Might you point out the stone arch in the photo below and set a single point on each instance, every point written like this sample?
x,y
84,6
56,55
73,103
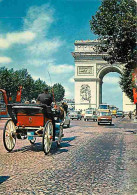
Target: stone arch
x,y
102,72
106,69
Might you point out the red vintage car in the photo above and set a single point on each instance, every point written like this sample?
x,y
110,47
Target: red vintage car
x,y
31,121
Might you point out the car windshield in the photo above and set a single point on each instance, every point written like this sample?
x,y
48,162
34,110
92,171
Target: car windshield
x,y
113,108
103,107
88,112
73,113
104,114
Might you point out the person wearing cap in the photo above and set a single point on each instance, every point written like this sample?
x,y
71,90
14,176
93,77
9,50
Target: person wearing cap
x,y
45,97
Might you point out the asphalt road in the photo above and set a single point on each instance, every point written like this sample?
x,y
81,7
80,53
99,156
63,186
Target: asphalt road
x,y
92,159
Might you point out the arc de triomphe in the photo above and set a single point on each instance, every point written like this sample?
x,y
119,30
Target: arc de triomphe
x,y
90,69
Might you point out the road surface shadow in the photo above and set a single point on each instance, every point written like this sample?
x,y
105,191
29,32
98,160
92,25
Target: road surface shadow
x,y
37,147
131,131
3,179
110,125
64,144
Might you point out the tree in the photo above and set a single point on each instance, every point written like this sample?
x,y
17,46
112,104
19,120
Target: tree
x,y
115,25
11,80
6,80
24,79
38,87
58,91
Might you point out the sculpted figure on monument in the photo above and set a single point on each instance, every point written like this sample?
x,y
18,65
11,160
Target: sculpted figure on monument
x,y
85,93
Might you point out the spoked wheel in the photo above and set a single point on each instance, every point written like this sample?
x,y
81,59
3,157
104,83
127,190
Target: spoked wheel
x,y
47,137
9,135
60,135
33,140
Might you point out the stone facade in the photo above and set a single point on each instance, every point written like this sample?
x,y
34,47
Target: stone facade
x,y
90,68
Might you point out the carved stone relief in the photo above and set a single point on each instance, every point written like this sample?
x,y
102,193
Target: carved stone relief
x,y
85,70
85,93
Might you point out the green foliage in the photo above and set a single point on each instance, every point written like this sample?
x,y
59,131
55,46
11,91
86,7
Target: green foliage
x,y
11,80
38,87
58,91
115,25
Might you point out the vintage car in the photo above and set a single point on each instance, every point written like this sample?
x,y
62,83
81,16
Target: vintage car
x,y
90,115
75,115
119,114
104,117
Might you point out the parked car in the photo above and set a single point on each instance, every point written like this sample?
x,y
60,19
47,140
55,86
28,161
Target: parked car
x,y
90,115
75,115
104,117
119,114
67,121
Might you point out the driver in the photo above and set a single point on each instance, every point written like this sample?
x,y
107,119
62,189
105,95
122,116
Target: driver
x,y
46,98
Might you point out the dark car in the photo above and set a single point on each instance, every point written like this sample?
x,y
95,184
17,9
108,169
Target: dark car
x,y
75,115
119,114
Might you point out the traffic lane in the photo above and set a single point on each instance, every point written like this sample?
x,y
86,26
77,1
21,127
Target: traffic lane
x,y
86,152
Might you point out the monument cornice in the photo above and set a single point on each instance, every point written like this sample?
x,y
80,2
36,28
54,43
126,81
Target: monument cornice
x,y
86,42
87,53
86,79
87,56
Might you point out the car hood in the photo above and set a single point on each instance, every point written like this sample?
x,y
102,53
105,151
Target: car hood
x,y
104,117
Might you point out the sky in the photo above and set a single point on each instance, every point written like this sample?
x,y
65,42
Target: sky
x,y
39,35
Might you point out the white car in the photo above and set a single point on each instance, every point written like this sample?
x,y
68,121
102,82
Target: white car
x,y
90,115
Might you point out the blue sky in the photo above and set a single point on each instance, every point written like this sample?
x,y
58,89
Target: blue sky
x,y
39,35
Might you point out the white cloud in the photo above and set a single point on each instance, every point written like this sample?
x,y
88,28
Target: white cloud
x,y
64,68
71,80
111,80
21,37
4,44
39,19
44,47
5,60
16,38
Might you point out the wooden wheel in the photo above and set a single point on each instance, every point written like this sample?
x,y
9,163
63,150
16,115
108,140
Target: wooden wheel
x,y
47,137
9,135
60,135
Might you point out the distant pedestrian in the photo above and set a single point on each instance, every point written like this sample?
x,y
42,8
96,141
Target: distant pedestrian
x,y
130,114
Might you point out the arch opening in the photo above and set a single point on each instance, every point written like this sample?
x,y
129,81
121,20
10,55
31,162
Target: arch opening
x,y
111,92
